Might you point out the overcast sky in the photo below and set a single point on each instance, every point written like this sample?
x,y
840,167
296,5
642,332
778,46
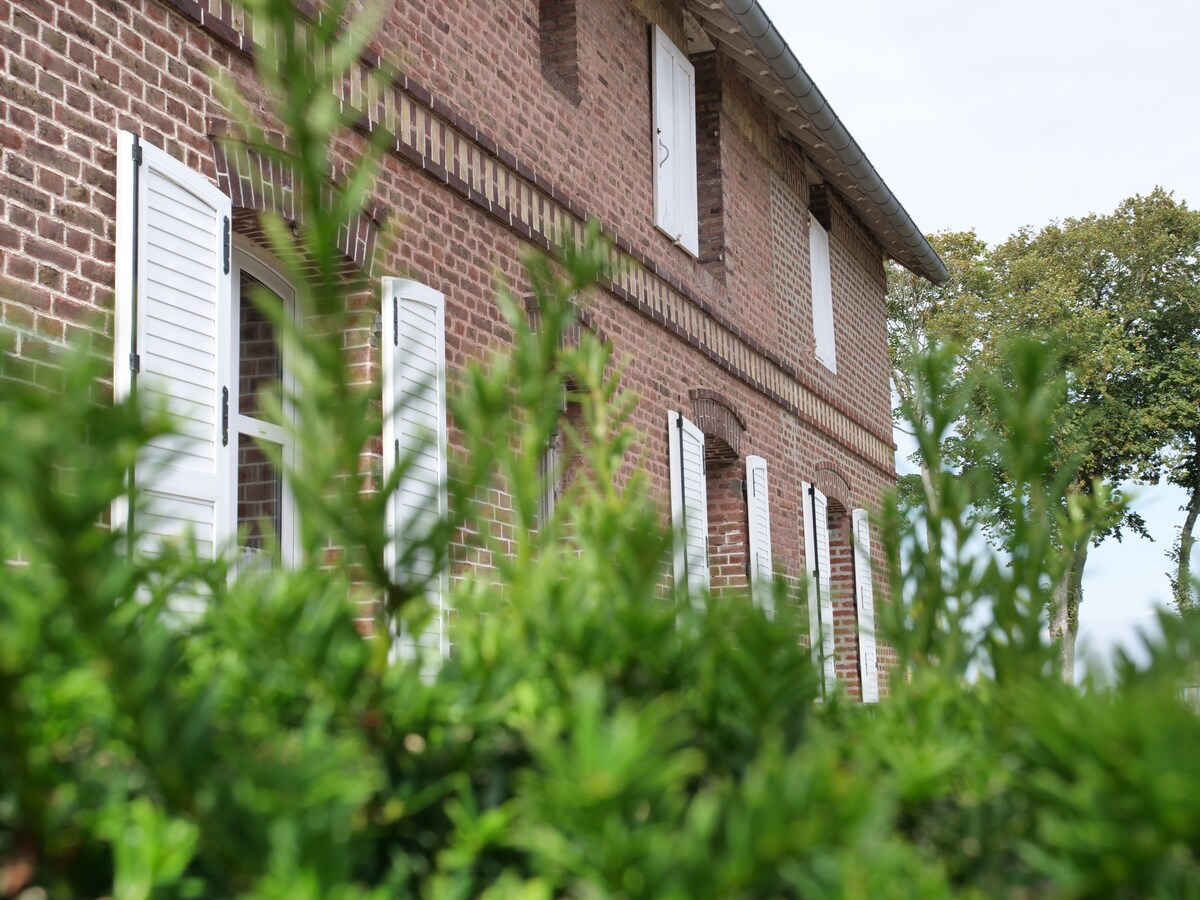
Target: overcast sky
x,y
997,115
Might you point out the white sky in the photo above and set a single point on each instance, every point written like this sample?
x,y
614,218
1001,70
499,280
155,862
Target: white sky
x,y
998,115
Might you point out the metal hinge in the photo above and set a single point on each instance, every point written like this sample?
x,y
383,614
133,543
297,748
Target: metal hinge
x,y
228,242
135,363
137,152
224,417
396,321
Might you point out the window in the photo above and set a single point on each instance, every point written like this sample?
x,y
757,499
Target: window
x,y
558,38
190,337
822,293
414,454
689,503
675,196
560,463
265,513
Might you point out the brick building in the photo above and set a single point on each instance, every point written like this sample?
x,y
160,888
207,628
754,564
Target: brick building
x,y
752,228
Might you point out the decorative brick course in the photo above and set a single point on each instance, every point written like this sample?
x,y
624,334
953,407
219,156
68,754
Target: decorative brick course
x,y
487,156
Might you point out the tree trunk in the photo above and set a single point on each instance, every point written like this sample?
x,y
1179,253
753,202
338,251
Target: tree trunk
x,y
933,535
1184,600
1181,584
1064,609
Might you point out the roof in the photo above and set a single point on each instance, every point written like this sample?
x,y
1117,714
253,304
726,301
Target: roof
x,y
743,31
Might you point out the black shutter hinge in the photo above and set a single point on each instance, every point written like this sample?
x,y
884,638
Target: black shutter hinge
x,y
135,363
396,321
228,241
137,152
224,417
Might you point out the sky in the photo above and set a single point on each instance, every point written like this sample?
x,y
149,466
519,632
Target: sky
x,y
995,116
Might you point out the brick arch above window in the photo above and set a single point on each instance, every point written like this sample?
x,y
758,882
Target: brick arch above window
x,y
829,481
256,185
722,424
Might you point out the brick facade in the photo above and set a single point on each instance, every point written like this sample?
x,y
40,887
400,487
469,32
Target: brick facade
x,y
515,120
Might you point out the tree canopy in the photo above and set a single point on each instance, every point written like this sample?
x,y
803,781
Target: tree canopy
x,y
1115,299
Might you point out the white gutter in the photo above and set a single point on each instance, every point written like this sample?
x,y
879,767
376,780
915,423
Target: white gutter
x,y
775,51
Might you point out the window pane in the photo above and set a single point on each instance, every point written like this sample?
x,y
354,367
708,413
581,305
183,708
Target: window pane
x,y
259,499
260,364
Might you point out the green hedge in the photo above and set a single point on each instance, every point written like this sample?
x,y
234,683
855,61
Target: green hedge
x,y
588,737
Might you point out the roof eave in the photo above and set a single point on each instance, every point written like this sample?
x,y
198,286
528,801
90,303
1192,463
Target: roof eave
x,y
744,31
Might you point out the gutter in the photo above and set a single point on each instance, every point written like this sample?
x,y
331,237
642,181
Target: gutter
x,y
774,49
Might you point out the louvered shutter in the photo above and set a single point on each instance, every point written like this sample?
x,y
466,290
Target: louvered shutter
x,y
822,293
865,606
675,190
820,606
172,343
414,436
758,505
689,503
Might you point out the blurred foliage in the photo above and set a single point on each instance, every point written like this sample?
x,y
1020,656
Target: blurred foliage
x,y
1115,301
587,737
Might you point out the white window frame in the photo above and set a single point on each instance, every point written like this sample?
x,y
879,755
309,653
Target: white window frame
x,y
134,344
676,196
257,263
824,342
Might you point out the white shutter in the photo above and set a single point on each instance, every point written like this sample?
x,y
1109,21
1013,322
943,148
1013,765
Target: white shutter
x,y
865,605
172,317
822,293
675,191
820,604
414,429
689,503
759,517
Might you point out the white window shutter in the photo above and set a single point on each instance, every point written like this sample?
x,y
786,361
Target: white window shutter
x,y
865,603
820,603
758,504
414,430
822,293
689,504
675,190
172,312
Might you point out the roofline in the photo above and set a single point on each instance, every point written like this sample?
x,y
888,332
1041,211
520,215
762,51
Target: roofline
x,y
775,51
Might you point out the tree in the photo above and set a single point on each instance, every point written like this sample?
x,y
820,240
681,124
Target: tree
x,y
921,316
1116,298
1160,246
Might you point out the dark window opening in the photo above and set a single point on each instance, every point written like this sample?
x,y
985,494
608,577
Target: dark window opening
x,y
558,34
710,193
818,205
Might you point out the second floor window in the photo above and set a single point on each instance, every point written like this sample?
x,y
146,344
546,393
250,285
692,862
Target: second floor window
x,y
675,200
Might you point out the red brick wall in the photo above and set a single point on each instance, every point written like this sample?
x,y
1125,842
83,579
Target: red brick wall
x,y
727,551
73,72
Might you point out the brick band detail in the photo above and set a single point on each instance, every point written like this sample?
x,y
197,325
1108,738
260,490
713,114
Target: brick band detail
x,y
433,137
256,184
